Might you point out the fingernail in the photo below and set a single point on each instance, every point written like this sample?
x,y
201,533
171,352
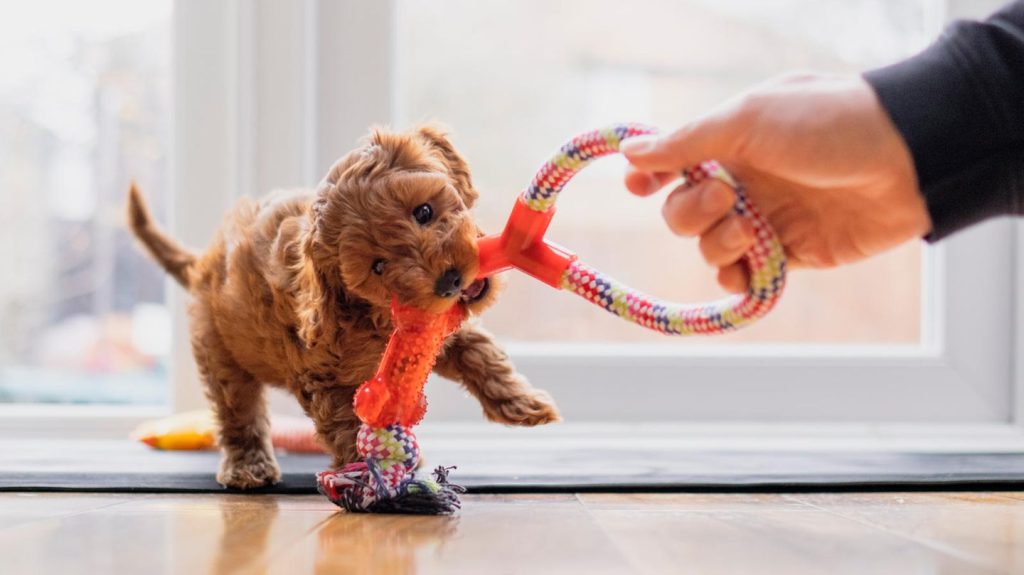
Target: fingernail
x,y
638,145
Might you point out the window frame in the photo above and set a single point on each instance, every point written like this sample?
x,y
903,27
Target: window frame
x,y
238,130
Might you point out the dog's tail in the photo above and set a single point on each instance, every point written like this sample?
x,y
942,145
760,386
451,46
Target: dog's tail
x,y
174,258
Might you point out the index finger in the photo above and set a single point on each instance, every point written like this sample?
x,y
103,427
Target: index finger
x,y
643,183
708,138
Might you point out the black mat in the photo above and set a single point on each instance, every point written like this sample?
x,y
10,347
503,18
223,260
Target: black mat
x,y
121,466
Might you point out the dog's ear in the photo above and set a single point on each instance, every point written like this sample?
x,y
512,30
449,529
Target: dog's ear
x,y
312,291
458,169
310,310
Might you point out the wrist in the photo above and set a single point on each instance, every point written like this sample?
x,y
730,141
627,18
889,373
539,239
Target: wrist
x,y
897,161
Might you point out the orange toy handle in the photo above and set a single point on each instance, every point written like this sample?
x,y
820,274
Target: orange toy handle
x,y
521,245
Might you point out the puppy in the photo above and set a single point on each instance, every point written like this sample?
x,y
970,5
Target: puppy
x,y
295,291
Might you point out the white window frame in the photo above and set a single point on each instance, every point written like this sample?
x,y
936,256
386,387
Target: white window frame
x,y
254,97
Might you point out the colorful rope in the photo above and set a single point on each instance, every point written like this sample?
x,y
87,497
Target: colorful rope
x,y
766,261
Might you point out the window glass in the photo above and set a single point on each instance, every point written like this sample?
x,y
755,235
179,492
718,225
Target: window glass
x,y
84,108
515,79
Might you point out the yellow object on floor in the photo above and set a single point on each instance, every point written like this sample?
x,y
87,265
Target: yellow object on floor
x,y
197,430
189,431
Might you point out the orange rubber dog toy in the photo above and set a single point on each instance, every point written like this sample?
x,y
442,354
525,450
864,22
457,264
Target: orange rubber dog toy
x,y
395,393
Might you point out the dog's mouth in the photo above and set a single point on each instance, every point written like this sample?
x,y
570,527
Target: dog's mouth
x,y
475,291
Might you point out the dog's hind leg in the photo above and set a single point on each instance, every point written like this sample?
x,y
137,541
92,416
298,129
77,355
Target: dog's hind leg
x,y
329,405
472,358
247,455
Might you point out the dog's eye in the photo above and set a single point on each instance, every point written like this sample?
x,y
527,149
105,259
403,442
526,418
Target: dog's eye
x,y
423,214
378,266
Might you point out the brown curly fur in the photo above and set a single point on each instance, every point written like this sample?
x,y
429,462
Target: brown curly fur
x,y
285,295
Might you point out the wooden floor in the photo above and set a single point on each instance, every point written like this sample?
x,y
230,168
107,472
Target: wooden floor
x,y
888,533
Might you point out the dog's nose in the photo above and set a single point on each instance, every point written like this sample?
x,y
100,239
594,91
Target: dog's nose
x,y
448,284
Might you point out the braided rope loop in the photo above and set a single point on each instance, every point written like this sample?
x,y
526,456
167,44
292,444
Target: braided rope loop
x,y
765,261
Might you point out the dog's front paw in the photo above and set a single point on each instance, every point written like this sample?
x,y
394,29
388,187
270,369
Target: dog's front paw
x,y
249,471
532,408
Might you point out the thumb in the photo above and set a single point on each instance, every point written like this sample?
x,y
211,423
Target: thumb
x,y
704,139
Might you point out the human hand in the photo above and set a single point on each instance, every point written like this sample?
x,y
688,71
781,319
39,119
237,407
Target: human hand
x,y
817,155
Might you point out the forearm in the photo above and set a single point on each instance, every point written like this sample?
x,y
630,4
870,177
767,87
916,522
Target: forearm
x,y
960,107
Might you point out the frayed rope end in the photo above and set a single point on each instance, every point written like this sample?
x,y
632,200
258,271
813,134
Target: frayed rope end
x,y
435,496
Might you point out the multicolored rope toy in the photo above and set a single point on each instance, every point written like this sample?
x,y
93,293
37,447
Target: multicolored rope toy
x,y
522,245
392,401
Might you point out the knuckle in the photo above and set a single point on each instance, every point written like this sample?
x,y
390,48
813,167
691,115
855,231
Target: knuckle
x,y
812,251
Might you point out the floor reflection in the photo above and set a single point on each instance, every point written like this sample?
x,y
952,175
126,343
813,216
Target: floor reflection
x,y
245,535
380,544
259,536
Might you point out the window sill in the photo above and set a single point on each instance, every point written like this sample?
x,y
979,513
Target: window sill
x,y
90,422
46,421
733,436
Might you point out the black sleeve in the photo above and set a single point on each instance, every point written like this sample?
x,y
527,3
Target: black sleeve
x,y
960,107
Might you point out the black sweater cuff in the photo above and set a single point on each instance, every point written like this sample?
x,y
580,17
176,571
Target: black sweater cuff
x,y
960,105
989,187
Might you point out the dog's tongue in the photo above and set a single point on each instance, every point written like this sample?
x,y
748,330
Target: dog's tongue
x,y
474,289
